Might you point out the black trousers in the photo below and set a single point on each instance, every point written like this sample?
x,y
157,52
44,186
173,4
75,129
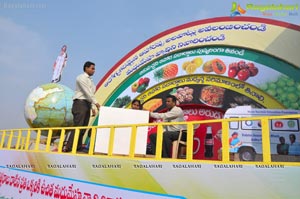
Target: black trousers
x,y
81,110
168,138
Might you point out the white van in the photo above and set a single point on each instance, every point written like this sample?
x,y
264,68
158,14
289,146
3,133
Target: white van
x,y
248,132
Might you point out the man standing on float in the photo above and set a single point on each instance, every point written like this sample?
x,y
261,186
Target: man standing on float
x,y
83,100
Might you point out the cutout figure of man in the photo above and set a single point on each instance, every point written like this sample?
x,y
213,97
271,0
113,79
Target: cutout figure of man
x,y
59,64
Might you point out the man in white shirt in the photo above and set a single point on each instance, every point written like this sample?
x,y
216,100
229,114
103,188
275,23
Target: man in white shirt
x,y
83,101
294,148
171,133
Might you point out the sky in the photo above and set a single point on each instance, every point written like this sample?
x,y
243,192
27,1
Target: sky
x,y
33,31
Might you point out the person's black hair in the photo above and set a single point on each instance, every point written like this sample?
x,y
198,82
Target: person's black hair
x,y
172,97
281,138
136,100
293,136
87,65
234,133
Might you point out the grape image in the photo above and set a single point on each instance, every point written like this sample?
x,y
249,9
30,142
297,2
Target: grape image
x,y
286,90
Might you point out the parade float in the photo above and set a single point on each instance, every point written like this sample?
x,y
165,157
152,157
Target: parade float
x,y
211,66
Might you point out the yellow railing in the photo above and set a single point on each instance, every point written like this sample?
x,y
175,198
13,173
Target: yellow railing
x,y
33,139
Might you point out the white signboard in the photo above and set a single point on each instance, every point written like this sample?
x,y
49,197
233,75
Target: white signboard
x,y
121,143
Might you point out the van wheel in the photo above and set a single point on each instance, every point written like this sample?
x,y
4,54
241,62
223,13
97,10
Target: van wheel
x,y
247,154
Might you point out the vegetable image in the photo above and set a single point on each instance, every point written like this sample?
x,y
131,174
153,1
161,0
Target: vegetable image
x,y
141,85
121,101
134,87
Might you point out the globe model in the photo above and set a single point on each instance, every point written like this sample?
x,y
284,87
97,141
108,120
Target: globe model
x,y
49,105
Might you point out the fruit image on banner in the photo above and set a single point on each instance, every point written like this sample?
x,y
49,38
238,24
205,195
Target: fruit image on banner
x,y
191,66
215,65
167,72
240,69
285,90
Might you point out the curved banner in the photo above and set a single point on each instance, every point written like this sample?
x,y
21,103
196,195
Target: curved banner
x,y
215,66
231,40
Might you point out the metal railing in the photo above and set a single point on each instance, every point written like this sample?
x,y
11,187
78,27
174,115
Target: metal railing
x,y
41,139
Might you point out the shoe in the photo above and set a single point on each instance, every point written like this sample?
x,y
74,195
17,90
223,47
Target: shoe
x,y
66,149
79,149
85,150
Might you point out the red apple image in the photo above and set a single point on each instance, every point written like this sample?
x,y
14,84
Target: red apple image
x,y
234,65
243,74
250,65
253,71
242,64
232,72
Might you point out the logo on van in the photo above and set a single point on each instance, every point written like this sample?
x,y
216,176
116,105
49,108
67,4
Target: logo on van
x,y
291,124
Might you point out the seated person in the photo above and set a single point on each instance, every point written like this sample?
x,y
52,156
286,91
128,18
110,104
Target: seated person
x,y
136,104
171,132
